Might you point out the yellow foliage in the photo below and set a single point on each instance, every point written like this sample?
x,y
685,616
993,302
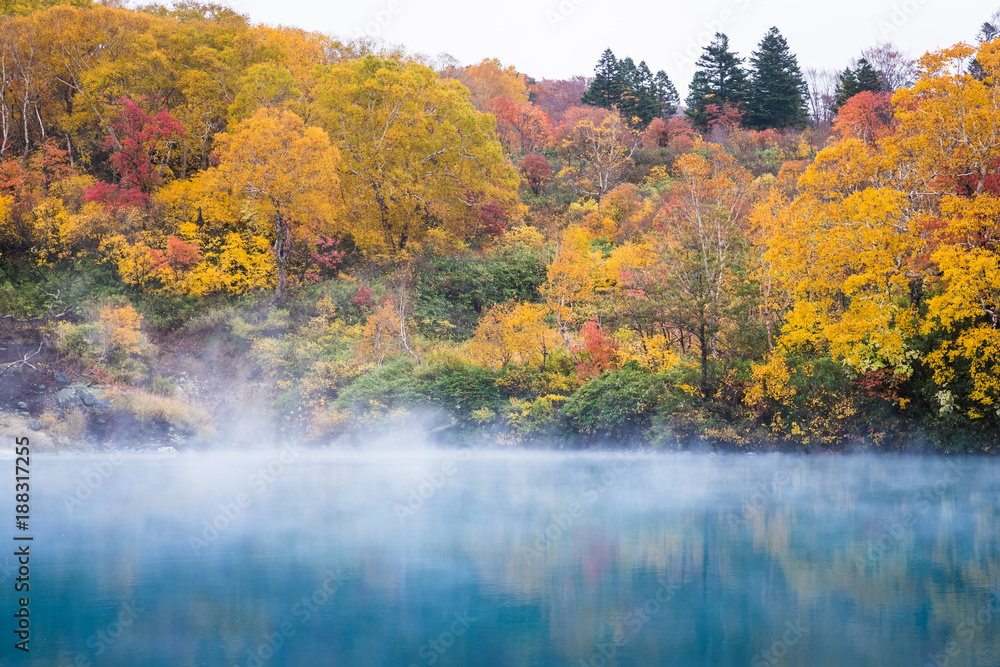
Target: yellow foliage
x,y
513,333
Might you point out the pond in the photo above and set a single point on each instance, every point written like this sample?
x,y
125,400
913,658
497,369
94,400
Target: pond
x,y
480,557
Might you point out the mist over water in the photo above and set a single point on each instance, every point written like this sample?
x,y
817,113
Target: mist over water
x,y
476,557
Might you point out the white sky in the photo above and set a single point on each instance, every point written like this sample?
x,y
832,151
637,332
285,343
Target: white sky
x,y
561,38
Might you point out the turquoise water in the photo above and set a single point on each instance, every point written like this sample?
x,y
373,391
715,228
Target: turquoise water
x,y
491,558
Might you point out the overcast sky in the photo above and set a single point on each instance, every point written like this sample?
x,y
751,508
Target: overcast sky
x,y
561,38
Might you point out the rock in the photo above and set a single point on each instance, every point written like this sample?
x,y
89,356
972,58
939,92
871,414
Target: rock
x,y
35,425
22,406
103,403
101,421
87,398
60,377
65,396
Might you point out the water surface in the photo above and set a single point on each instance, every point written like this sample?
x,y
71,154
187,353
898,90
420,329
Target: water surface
x,y
491,558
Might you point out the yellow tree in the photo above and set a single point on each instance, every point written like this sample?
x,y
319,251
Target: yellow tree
x,y
575,276
490,79
415,155
513,332
286,171
700,246
598,146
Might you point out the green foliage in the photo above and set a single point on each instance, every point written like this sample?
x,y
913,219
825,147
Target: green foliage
x,y
632,90
461,391
719,80
620,404
777,96
457,290
863,77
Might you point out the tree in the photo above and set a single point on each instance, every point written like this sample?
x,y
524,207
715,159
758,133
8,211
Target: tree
x,y
557,96
415,154
700,247
535,169
513,333
284,169
488,80
598,147
867,116
777,90
140,144
607,88
575,274
862,77
632,90
894,69
520,129
719,80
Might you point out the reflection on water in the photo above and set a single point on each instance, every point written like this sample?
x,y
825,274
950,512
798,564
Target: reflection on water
x,y
487,558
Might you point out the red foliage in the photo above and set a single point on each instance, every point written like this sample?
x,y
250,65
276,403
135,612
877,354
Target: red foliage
x,y
364,298
179,256
535,169
135,138
868,116
521,128
327,255
726,117
556,96
115,196
597,354
676,133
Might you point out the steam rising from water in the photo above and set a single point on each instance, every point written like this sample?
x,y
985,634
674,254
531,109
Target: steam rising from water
x,y
372,557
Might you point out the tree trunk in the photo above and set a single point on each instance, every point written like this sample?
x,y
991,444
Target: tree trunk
x,y
703,340
282,247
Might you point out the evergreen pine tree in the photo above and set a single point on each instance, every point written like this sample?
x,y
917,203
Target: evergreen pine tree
x,y
720,79
863,77
632,90
666,94
777,94
606,89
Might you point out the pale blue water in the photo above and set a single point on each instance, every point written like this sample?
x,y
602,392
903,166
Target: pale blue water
x,y
649,560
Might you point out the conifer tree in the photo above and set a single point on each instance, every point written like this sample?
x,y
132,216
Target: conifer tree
x,y
862,78
720,79
632,90
777,94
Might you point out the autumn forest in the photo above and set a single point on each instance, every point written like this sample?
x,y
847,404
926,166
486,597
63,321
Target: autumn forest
x,y
204,221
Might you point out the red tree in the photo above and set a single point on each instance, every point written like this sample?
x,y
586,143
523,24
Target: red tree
x,y
535,169
136,140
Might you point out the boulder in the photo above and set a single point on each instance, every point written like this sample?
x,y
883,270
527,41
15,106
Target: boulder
x,y
65,396
103,403
21,405
60,377
87,398
35,425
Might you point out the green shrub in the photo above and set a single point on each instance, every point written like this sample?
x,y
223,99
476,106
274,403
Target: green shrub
x,y
620,404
